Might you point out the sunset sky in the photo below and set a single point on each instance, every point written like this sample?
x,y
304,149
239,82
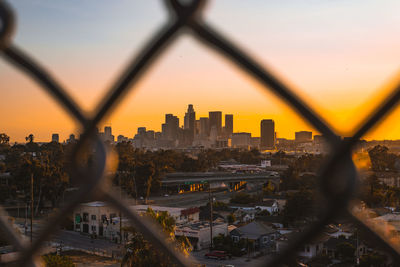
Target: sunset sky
x,y
340,56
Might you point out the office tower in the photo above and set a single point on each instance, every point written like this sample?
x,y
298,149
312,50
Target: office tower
x,y
303,136
318,139
107,131
197,127
204,126
241,140
171,126
267,134
108,134
228,125
216,120
189,121
150,135
55,138
141,130
71,138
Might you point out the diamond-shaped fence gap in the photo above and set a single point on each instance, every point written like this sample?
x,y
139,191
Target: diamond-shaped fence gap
x,y
209,84
44,117
62,44
329,61
378,166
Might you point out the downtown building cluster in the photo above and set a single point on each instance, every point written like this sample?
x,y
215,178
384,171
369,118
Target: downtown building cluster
x,y
209,132
203,132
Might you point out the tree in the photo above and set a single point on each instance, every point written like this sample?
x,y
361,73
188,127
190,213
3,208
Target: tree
x,y
381,159
299,205
4,139
345,250
372,260
231,218
141,253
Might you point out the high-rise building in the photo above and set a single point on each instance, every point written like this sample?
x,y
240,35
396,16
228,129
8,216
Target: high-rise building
x,y
189,121
55,138
228,124
303,136
141,130
171,126
71,138
107,131
267,134
108,134
204,126
241,140
216,120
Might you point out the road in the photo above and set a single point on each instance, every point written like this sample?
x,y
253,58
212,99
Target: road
x,y
71,239
187,200
235,261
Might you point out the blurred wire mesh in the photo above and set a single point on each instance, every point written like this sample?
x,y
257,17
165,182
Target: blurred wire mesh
x,y
337,177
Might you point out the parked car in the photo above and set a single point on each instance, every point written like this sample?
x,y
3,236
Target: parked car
x,y
218,254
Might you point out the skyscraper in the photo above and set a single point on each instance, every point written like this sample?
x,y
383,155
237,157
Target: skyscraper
x,y
267,134
216,120
204,126
303,136
228,124
108,134
189,121
171,126
55,138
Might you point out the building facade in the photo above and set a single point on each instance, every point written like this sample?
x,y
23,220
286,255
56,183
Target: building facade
x,y
267,134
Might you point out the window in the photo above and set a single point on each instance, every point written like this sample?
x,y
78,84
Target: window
x,y
93,217
85,217
104,218
235,238
112,215
317,247
272,237
265,239
77,226
93,228
308,248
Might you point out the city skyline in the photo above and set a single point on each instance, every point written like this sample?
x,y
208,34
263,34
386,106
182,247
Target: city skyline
x,y
339,67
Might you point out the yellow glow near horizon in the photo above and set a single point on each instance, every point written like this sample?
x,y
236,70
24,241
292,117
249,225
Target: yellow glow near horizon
x,y
341,70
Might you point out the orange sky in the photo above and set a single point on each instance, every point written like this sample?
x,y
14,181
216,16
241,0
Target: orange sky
x,y
338,58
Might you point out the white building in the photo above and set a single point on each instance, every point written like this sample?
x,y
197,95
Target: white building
x,y
198,233
103,220
97,218
181,215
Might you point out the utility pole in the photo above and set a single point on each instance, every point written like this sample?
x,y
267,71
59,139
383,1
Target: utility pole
x,y
211,215
120,218
31,206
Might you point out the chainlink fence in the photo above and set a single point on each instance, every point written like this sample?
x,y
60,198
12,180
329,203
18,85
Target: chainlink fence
x,y
337,176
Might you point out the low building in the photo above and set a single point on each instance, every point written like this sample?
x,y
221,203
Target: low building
x,y
263,236
103,220
97,218
181,215
309,249
241,140
271,205
198,233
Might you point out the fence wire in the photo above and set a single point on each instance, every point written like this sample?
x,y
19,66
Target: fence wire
x,y
338,169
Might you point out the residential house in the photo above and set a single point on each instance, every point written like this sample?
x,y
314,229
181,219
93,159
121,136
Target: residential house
x,y
331,245
262,235
309,250
198,233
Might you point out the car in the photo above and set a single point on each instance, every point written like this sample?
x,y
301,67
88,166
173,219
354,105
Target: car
x,y
166,195
218,254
